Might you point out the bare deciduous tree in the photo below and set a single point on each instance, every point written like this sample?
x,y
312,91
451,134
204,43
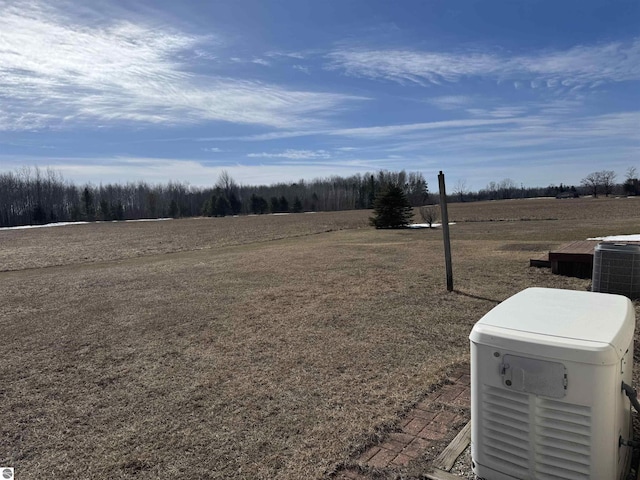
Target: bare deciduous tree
x,y
592,183
492,189
631,182
429,214
506,188
226,183
460,190
608,178
600,181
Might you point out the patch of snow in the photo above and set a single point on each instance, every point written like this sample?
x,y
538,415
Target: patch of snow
x,y
147,220
426,225
58,224
280,214
619,238
64,224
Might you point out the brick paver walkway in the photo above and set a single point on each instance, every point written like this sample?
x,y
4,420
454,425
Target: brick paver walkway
x,y
436,419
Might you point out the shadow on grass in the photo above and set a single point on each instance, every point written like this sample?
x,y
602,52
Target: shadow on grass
x,y
477,297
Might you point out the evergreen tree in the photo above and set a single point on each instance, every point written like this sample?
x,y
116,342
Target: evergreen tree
x,y
264,205
117,211
372,191
297,205
258,204
209,207
391,208
105,211
222,207
255,208
275,205
39,215
152,201
234,204
284,204
173,209
76,213
87,203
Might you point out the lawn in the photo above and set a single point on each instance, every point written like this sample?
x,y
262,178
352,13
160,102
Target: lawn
x,y
250,347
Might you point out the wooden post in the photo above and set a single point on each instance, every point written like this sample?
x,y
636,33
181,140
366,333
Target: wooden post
x,y
445,230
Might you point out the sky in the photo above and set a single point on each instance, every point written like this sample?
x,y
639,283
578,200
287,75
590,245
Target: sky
x,y
538,92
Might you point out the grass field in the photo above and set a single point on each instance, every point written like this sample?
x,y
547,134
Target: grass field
x,y
250,347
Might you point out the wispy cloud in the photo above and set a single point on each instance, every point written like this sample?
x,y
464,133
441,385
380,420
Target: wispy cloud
x,y
541,125
260,61
375,132
397,130
295,55
451,102
293,154
498,112
301,68
582,65
196,173
56,71
541,132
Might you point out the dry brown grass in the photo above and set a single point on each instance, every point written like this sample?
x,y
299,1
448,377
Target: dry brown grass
x,y
247,347
107,241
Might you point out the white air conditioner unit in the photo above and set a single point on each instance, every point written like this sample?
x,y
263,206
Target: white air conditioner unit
x,y
547,368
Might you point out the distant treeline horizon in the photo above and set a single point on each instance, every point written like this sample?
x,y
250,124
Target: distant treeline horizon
x,y
33,196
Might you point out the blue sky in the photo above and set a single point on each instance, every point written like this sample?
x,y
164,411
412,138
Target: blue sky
x,y
540,92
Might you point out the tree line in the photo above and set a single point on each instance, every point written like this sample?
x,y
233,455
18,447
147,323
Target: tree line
x,y
602,182
32,196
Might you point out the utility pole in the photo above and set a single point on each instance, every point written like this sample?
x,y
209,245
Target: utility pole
x,y
445,230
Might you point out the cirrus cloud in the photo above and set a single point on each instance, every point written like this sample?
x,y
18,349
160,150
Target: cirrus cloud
x,y
293,154
581,65
57,71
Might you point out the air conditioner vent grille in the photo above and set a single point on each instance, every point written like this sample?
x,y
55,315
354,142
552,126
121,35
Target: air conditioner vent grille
x,y
616,269
505,428
563,439
523,433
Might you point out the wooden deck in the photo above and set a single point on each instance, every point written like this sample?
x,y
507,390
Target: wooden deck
x,y
574,259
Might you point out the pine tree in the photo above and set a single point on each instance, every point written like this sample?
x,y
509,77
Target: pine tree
x,y
105,211
173,209
87,202
255,204
118,211
297,205
391,208
222,207
275,205
234,204
39,215
258,204
284,204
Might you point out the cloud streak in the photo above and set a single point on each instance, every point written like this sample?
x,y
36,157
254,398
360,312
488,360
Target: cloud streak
x,y
584,66
194,172
57,72
293,154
